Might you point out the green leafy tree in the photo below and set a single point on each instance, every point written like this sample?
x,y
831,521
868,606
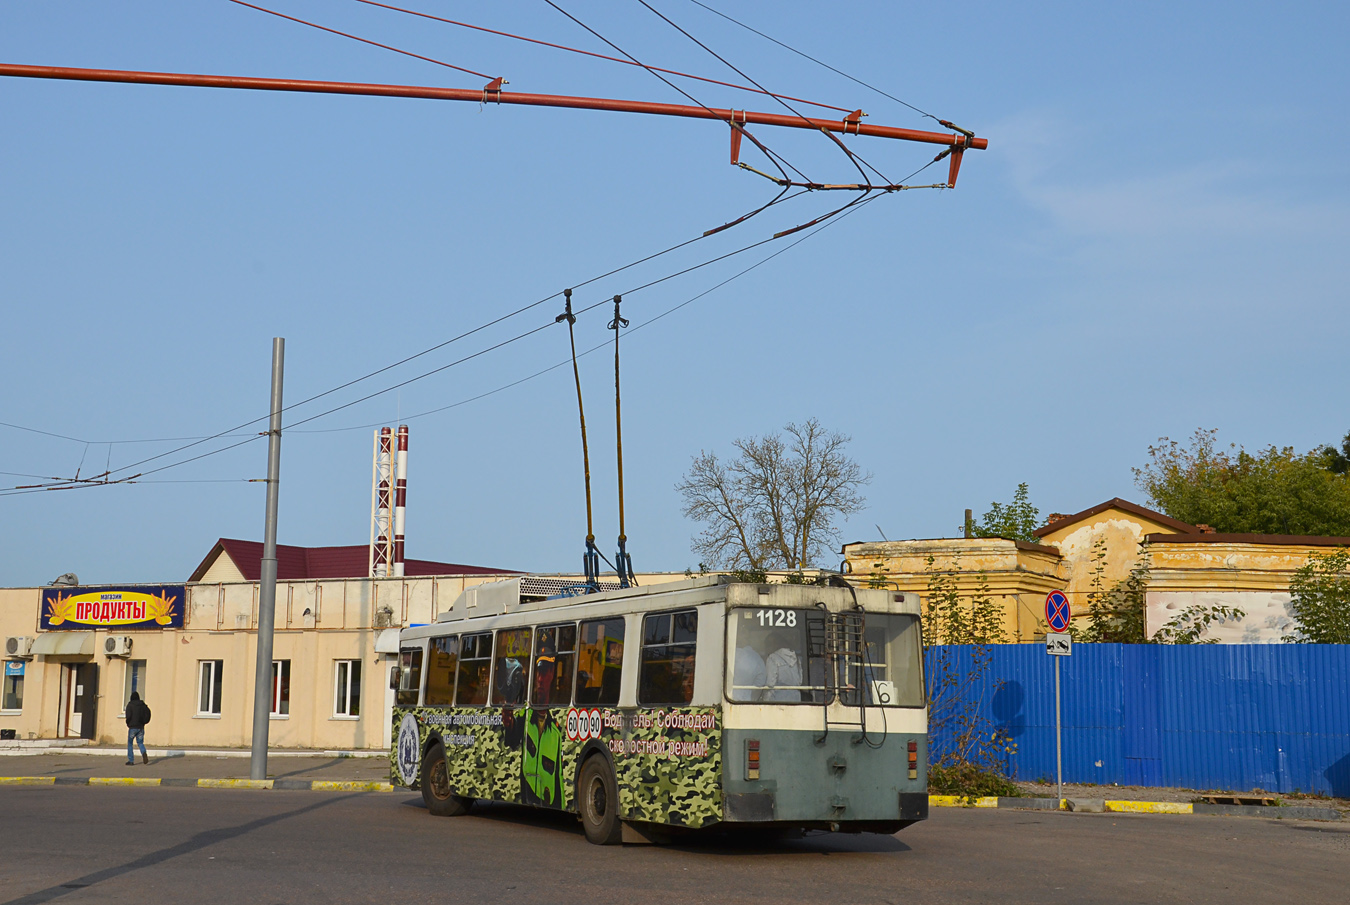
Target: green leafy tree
x,y
1115,613
970,761
1190,624
1320,599
1336,461
1272,491
1017,520
778,503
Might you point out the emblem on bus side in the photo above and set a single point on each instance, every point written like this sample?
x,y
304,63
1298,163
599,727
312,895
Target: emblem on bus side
x,y
409,743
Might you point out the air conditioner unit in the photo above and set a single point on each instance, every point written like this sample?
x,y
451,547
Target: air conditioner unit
x,y
117,645
19,647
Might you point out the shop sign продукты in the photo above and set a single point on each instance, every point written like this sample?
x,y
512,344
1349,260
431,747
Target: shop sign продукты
x,y
132,607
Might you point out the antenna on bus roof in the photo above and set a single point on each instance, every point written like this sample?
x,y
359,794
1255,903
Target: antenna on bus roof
x,y
623,564
591,559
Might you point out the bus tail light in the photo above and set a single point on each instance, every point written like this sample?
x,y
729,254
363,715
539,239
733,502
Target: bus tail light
x,y
913,760
752,758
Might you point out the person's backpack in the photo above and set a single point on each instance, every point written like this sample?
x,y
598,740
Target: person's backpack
x,y
145,709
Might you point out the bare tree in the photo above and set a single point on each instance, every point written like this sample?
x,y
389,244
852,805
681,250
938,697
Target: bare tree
x,y
777,503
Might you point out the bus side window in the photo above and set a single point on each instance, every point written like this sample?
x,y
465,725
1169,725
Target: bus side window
x,y
668,652
600,662
554,658
475,660
442,664
410,677
512,665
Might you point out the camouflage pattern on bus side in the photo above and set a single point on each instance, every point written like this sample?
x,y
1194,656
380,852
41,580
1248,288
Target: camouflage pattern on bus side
x,y
671,773
668,762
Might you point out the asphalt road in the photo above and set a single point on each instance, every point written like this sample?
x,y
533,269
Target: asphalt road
x,y
195,846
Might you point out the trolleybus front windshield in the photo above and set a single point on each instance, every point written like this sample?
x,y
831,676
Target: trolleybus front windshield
x,y
782,655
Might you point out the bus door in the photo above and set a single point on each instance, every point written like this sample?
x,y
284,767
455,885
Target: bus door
x,y
554,663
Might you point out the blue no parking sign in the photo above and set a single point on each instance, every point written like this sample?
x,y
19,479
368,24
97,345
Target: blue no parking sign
x,y
1057,613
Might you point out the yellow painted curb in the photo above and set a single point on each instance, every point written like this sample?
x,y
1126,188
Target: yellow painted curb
x,y
334,786
234,783
123,781
27,780
960,801
1150,807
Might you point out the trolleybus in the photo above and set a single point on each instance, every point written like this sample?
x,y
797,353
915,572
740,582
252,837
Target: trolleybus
x,y
695,704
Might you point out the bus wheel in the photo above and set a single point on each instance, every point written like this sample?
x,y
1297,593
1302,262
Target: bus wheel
x,y
598,803
436,792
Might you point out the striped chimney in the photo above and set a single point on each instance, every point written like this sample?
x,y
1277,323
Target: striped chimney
x,y
400,497
382,505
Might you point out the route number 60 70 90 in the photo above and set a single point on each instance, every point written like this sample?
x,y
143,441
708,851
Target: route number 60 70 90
x,y
775,618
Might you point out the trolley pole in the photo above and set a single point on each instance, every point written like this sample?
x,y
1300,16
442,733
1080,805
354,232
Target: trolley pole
x,y
267,592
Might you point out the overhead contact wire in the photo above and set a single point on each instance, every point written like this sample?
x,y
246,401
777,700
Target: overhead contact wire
x,y
664,18
686,94
816,61
406,53
600,56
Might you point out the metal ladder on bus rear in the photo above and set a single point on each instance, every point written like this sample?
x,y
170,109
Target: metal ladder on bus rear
x,y
840,638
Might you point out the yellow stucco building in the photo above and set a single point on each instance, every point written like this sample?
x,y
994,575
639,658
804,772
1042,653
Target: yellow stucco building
x,y
1183,566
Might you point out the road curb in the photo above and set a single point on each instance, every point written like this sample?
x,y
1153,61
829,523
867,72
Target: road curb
x,y
1282,812
287,785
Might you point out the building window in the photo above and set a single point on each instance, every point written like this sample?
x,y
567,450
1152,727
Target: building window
x,y
668,652
12,697
347,691
208,686
281,687
134,680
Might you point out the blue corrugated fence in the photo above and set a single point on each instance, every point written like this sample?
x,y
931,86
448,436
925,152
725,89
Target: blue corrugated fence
x,y
1213,716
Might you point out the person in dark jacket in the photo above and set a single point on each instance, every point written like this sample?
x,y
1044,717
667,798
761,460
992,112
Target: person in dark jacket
x,y
138,714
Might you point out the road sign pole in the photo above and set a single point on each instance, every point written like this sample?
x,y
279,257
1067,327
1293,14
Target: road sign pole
x,y
1059,747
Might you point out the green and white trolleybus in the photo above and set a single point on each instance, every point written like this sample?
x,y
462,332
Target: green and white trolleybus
x,y
695,704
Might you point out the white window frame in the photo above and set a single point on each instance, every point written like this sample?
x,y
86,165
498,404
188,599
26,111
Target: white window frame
x,y
284,668
217,686
342,689
126,683
6,680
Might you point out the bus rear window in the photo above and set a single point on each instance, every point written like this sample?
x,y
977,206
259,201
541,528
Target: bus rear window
x,y
511,662
475,660
441,667
668,652
600,661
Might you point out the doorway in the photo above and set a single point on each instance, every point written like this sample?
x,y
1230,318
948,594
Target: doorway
x,y
79,700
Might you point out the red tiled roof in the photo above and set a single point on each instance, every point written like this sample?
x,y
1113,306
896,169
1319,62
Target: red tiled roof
x,y
300,563
1125,506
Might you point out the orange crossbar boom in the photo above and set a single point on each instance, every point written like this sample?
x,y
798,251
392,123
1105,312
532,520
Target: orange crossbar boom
x,y
491,95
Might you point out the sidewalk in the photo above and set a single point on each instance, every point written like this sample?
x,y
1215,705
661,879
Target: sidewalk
x,y
179,765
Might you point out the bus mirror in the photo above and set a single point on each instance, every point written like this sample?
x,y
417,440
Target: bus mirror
x,y
394,675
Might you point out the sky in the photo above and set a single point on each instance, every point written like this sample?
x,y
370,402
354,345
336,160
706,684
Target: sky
x,y
1152,243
